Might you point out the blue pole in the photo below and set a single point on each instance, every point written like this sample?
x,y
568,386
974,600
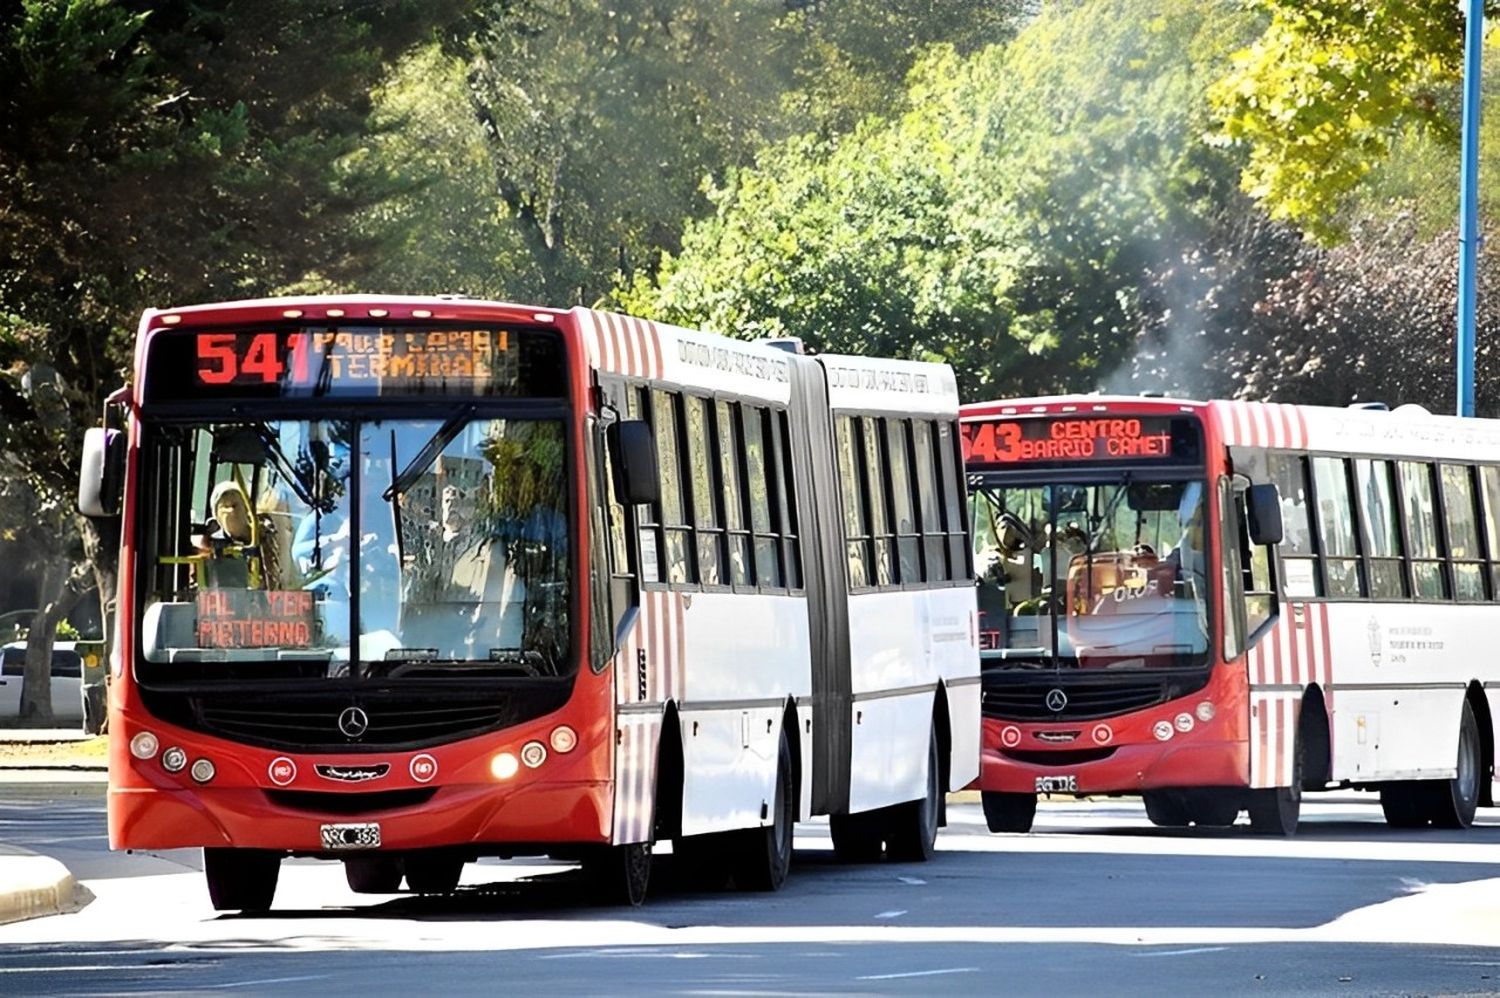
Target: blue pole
x,y
1468,221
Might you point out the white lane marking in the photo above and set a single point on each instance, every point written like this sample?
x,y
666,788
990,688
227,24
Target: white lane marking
x,y
918,973
263,980
892,914
916,881
1184,952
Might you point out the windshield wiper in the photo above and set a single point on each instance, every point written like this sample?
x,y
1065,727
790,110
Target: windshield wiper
x,y
429,453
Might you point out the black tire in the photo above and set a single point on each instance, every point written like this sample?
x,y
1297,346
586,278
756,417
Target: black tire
x,y
1209,807
380,874
1403,803
763,855
1453,802
1166,808
699,863
911,835
1276,810
433,872
241,879
856,837
1008,812
619,874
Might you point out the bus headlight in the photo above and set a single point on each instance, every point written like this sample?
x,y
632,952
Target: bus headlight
x,y
174,760
504,766
564,739
1162,730
203,770
144,745
1184,722
533,754
1205,711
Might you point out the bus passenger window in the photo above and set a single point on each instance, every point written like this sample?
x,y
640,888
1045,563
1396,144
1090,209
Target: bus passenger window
x,y
1336,526
1463,535
1421,526
1382,534
1289,475
1490,477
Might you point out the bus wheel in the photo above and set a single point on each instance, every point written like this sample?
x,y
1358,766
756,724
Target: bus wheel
x,y
1454,801
1006,812
1401,801
1166,808
698,862
433,872
763,855
619,874
373,874
1211,808
1275,810
912,833
856,837
241,879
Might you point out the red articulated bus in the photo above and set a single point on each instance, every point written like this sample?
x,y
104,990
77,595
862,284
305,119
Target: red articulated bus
x,y
1220,605
410,581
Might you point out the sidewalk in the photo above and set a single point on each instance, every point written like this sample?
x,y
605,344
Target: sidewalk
x,y
60,750
30,885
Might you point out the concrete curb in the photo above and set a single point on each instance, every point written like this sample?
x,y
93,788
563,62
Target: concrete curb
x,y
34,886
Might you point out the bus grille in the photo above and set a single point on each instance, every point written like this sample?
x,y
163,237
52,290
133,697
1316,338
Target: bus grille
x,y
1024,698
395,719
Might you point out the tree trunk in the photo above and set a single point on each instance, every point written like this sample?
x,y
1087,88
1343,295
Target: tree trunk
x,y
57,599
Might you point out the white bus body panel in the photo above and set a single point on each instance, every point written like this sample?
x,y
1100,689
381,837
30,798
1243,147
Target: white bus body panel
x,y
749,656
901,644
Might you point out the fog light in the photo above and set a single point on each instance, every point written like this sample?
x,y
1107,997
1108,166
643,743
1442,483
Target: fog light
x,y
504,766
173,759
1205,711
203,770
1184,722
564,738
1162,730
144,745
533,754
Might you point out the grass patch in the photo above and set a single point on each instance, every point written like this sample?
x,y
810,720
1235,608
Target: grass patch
x,y
89,752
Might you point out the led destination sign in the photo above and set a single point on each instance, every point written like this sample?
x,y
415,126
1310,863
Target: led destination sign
x,y
253,618
342,361
1061,441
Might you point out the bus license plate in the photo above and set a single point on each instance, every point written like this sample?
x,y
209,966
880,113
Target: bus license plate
x,y
1057,784
351,835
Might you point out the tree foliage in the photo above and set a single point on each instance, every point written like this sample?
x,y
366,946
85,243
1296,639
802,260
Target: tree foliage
x,y
158,153
1327,89
1004,217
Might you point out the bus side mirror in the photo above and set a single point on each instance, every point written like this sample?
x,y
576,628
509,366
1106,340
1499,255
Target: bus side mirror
x,y
1264,506
632,450
102,472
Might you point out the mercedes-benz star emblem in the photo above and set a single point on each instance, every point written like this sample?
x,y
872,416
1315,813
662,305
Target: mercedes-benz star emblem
x,y
1057,701
354,722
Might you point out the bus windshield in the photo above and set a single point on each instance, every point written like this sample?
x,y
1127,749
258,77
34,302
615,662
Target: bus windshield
x,y
1098,575
456,530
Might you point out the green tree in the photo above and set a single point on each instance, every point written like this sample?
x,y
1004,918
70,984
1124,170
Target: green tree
x,y
591,127
152,153
1326,91
1005,217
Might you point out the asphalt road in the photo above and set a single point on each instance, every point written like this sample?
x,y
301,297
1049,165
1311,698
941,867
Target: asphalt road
x,y
1097,902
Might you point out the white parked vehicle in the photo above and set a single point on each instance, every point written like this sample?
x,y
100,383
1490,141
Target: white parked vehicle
x,y
67,683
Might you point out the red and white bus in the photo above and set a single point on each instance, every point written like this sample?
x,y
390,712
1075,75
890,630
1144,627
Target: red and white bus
x,y
1220,605
409,581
